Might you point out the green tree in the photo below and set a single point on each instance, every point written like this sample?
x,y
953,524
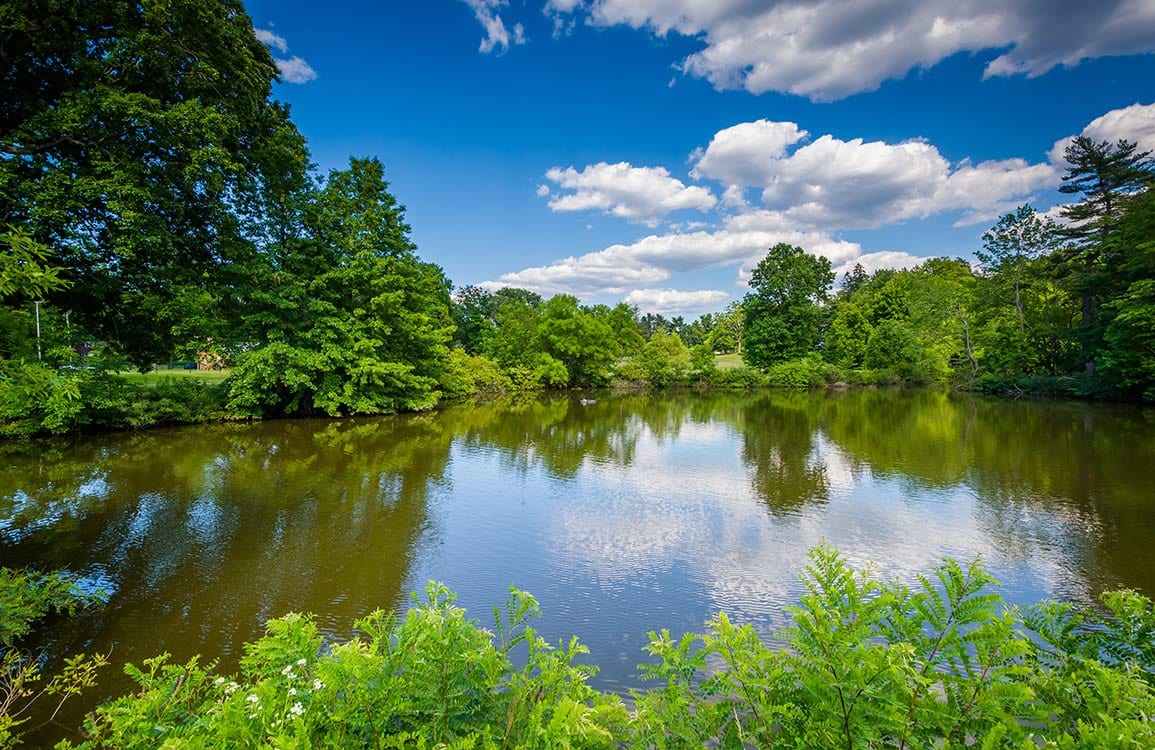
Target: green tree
x,y
517,314
1106,175
782,316
850,329
1011,247
663,361
1129,356
726,335
140,143
854,279
474,309
586,346
352,321
623,321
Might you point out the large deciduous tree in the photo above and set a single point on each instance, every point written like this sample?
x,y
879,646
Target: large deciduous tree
x,y
783,317
139,141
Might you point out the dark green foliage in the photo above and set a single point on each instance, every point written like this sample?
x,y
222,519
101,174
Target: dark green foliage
x,y
141,145
1106,176
886,666
350,321
431,679
782,317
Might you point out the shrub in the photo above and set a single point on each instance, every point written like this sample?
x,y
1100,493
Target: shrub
x,y
36,400
809,372
868,664
468,374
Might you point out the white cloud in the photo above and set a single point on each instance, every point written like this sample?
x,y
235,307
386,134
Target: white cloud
x,y
654,258
673,301
636,193
271,39
542,191
1135,123
292,69
811,192
829,49
741,155
831,184
872,262
496,34
579,276
296,70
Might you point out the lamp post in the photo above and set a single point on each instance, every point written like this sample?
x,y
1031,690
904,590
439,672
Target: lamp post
x,y
37,305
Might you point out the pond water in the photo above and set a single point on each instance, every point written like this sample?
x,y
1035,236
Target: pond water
x,y
632,513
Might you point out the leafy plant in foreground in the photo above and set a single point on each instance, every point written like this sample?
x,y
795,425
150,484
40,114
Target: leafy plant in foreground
x,y
866,664
25,598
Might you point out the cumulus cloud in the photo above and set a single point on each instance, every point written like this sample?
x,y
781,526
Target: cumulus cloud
x,y
296,70
810,193
830,183
741,155
642,194
497,36
1135,123
674,301
582,276
292,69
829,49
652,259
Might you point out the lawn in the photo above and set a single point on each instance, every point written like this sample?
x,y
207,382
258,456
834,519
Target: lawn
x,y
154,377
728,361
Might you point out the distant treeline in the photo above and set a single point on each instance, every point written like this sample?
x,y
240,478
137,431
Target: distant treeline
x,y
157,205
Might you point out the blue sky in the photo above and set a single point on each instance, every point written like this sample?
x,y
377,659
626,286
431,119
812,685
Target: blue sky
x,y
652,150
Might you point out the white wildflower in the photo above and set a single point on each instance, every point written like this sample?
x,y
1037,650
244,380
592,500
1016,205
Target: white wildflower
x,y
297,709
317,684
288,671
231,688
219,681
292,691
300,662
253,698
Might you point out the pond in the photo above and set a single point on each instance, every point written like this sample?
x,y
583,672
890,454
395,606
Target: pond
x,y
632,513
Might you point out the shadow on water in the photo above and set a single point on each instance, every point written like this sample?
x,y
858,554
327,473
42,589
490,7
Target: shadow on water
x,y
622,512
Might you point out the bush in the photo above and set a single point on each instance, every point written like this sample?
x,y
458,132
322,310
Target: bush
x,y
735,377
431,679
469,374
810,372
869,664
36,400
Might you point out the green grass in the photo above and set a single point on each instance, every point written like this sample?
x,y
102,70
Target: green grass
x,y
152,378
728,361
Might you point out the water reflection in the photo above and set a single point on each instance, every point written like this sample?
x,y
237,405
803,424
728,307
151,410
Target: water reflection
x,y
621,515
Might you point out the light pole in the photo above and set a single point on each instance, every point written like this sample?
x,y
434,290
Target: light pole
x,y
37,305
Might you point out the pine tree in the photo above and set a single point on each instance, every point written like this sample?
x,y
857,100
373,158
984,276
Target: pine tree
x,y
1106,175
